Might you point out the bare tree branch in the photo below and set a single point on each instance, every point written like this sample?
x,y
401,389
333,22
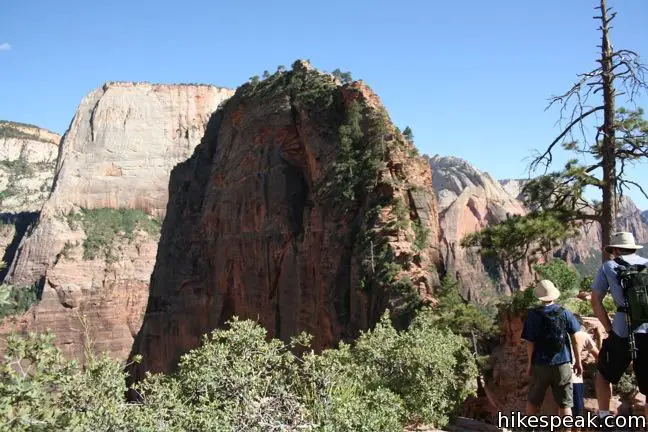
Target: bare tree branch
x,y
547,156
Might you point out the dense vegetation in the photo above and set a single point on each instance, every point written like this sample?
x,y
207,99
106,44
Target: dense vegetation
x,y
103,226
16,300
239,380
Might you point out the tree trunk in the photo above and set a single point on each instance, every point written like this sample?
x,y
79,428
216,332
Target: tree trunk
x,y
609,204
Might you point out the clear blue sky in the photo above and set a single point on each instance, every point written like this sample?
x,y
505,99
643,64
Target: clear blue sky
x,y
470,77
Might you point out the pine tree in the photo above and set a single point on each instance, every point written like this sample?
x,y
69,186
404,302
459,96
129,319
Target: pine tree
x,y
557,198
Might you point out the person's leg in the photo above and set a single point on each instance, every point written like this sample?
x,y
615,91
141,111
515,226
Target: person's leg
x,y
579,398
640,366
561,387
537,388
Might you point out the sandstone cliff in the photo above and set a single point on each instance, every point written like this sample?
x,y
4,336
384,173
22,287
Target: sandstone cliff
x,y
302,208
93,248
27,160
470,200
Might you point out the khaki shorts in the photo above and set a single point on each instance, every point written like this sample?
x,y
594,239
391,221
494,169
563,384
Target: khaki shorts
x,y
558,377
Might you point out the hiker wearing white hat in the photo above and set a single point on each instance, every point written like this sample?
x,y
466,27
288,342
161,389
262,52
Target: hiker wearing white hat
x,y
549,331
616,355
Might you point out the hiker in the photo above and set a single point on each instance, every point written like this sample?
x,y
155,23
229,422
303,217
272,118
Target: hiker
x,y
546,330
587,345
627,330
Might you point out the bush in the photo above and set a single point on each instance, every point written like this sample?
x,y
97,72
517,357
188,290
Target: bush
x,y
421,236
566,279
627,385
580,307
18,168
609,304
462,317
239,380
103,225
16,300
519,301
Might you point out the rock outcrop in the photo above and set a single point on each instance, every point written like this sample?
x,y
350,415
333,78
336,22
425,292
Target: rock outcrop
x,y
644,216
93,248
302,208
27,161
470,200
513,187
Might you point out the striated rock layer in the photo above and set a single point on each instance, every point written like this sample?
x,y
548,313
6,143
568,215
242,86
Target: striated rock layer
x,y
274,219
470,200
93,264
27,160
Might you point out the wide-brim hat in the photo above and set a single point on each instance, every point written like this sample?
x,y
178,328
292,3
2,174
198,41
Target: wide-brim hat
x,y
622,240
546,291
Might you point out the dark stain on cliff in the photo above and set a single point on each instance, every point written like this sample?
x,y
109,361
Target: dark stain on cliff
x,y
22,223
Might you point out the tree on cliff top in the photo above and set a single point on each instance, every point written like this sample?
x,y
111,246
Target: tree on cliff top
x,y
556,199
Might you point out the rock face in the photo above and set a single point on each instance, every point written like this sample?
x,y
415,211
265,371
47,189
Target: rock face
x,y
298,209
93,248
27,160
470,200
644,216
513,187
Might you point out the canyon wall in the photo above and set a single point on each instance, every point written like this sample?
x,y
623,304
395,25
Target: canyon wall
x,y
93,248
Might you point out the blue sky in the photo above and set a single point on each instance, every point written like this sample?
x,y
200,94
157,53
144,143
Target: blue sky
x,y
470,77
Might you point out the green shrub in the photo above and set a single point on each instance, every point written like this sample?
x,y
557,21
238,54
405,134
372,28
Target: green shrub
x,y
627,385
566,279
586,283
422,236
238,379
462,317
16,300
102,226
18,168
608,304
401,213
519,301
580,307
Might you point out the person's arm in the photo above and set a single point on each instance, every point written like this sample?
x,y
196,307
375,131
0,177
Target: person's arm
x,y
578,365
599,289
600,312
593,350
529,335
530,347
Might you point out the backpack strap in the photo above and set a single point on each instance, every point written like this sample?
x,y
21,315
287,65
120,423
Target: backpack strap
x,y
622,262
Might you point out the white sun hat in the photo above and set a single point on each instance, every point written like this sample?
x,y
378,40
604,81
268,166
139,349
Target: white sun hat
x,y
546,291
622,240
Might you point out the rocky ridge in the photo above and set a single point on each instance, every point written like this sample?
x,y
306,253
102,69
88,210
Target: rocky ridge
x,y
470,200
302,208
93,248
27,161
